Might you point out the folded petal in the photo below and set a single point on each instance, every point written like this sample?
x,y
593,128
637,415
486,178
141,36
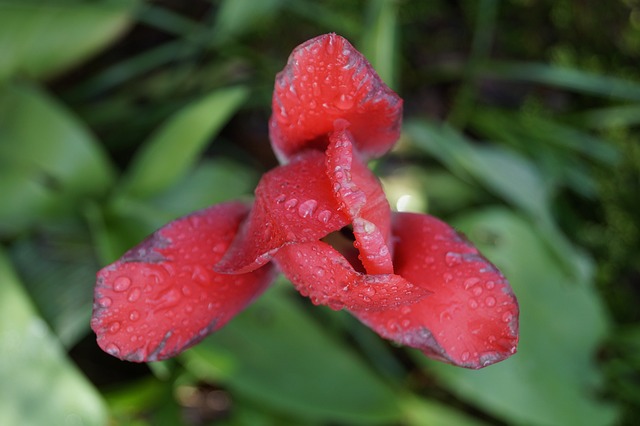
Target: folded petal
x,y
326,79
163,296
321,273
471,317
360,194
294,203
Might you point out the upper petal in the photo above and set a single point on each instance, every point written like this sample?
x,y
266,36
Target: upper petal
x,y
163,296
294,203
471,317
326,79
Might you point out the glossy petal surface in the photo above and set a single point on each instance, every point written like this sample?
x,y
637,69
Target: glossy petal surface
x,y
294,203
326,79
321,273
360,194
162,296
471,317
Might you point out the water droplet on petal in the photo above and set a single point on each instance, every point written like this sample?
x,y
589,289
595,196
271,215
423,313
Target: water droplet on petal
x,y
465,356
405,310
490,301
477,291
490,285
186,290
134,295
453,259
280,198
134,316
105,302
324,216
344,102
405,323
114,327
291,203
369,291
507,316
307,208
121,283
470,282
112,349
473,304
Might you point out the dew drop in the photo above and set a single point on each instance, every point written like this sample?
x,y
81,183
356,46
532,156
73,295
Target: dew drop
x,y
369,227
186,290
470,282
473,304
280,198
134,295
384,250
307,208
465,356
507,316
369,291
490,301
405,323
134,316
114,327
490,284
405,310
453,259
112,349
447,277
291,203
121,283
344,102
477,291
105,302
324,216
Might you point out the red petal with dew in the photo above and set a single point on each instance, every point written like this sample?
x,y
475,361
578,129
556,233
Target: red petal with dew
x,y
321,273
360,194
326,79
294,203
162,296
471,319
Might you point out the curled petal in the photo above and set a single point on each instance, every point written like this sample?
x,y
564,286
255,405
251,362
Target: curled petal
x,y
471,317
326,79
162,296
321,273
360,194
294,203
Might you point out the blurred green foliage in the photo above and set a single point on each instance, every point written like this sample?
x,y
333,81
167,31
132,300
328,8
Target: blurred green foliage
x,y
521,127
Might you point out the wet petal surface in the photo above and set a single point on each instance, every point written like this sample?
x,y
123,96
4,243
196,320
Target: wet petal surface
x,y
471,317
321,273
294,203
326,79
163,296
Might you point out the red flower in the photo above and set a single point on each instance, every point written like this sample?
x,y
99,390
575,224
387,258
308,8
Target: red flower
x,y
321,219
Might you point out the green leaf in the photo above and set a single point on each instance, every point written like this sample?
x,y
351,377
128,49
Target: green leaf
x,y
58,268
553,379
42,38
564,78
275,354
48,159
169,154
38,384
237,16
380,40
504,172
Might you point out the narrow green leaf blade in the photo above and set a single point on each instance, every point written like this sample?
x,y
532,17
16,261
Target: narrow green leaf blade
x,y
174,148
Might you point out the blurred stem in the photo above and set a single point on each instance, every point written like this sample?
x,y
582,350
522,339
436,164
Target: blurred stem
x,y
99,235
480,49
379,43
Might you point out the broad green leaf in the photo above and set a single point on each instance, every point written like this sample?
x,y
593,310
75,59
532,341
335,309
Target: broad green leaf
x,y
553,379
38,383
499,170
237,16
58,268
169,154
276,354
42,38
48,159
565,78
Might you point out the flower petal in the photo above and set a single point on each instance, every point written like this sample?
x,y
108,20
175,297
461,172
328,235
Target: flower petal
x,y
326,79
321,273
360,194
162,296
294,203
471,319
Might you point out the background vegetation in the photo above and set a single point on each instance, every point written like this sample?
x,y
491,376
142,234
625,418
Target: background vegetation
x,y
521,128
